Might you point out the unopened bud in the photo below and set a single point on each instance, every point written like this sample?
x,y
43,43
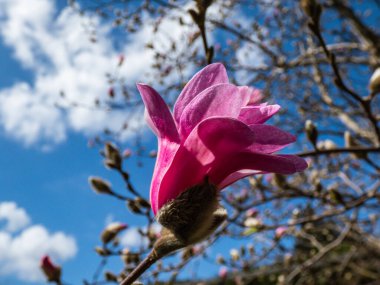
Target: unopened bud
x,y
280,232
121,60
142,202
99,185
326,145
220,259
312,9
113,157
253,223
234,253
153,153
102,251
350,141
279,180
250,213
134,207
251,249
223,272
311,132
127,153
335,196
111,231
374,82
287,259
111,92
110,277
51,271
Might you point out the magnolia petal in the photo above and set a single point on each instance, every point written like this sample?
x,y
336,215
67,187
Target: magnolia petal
x,y
269,139
216,136
208,141
218,100
183,172
165,155
258,114
158,114
210,75
254,94
281,164
233,177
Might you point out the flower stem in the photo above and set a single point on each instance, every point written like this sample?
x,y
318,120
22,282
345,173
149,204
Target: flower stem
x,y
141,268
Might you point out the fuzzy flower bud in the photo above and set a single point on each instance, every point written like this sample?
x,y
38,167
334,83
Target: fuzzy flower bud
x,y
111,231
223,272
102,251
280,232
326,145
234,253
220,259
109,276
51,271
374,82
121,60
127,153
253,223
250,213
111,92
99,185
113,157
311,132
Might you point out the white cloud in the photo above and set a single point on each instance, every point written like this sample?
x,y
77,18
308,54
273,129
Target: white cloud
x,y
55,46
21,252
15,218
132,239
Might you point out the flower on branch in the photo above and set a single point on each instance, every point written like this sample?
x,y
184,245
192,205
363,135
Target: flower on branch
x,y
215,136
216,131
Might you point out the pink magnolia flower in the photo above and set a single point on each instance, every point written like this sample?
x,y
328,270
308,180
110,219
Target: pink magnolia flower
x,y
216,131
51,271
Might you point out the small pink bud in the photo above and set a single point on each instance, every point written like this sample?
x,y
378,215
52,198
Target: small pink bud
x,y
234,253
51,271
251,213
111,231
268,178
111,92
127,153
280,232
121,60
223,272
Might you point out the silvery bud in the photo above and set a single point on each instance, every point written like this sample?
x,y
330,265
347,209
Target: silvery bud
x,y
111,231
374,82
234,253
253,223
100,186
311,132
110,277
220,259
51,271
112,155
